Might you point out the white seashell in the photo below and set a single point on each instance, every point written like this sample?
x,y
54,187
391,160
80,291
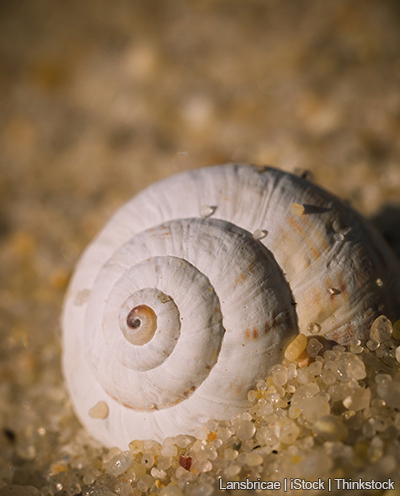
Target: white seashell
x,y
176,309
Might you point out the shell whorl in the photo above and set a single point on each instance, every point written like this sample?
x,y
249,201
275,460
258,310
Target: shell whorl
x,y
176,309
179,282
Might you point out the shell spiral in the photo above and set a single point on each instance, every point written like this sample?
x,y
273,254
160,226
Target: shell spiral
x,y
194,288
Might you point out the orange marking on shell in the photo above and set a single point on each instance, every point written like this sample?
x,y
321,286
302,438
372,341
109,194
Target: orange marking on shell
x,y
255,334
342,286
304,226
214,354
123,404
316,298
247,334
297,225
190,391
318,235
252,265
184,396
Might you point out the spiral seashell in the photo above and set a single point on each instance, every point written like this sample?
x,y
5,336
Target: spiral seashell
x,y
195,287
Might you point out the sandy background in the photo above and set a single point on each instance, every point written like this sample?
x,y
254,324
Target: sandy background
x,y
100,98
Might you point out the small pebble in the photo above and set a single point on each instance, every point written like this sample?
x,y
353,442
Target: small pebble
x,y
232,470
119,463
373,344
164,462
251,396
314,408
169,450
145,482
338,236
358,399
253,459
348,367
303,359
330,428
136,446
389,391
286,431
315,368
296,347
171,490
260,234
245,430
313,328
148,460
158,473
314,347
292,371
355,346
261,385
137,470
381,329
304,375
203,465
396,329
99,411
185,462
298,209
279,375
207,211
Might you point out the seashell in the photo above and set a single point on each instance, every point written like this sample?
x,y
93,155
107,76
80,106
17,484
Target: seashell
x,y
196,286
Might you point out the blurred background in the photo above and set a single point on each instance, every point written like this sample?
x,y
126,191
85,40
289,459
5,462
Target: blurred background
x,y
100,98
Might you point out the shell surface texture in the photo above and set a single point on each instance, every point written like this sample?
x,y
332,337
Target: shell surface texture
x,y
195,287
